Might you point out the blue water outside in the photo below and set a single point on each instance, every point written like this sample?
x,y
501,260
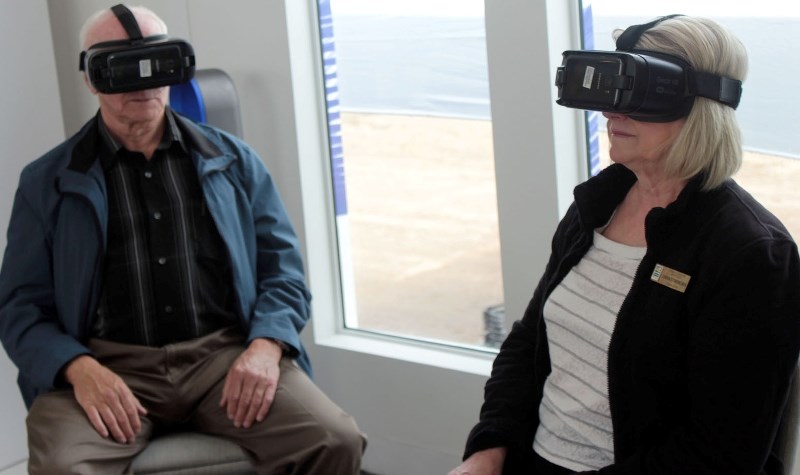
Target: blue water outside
x,y
437,66
412,64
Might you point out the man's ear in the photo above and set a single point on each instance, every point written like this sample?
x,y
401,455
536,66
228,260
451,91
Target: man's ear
x,y
89,84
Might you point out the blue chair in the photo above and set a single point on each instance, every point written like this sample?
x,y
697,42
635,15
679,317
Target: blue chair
x,y
191,453
209,98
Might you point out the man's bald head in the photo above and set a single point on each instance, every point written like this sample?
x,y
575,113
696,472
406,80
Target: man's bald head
x,y
104,26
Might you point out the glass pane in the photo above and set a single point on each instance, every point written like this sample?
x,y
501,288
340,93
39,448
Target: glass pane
x,y
768,110
411,149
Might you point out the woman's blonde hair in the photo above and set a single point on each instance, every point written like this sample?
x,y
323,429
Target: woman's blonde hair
x,y
710,141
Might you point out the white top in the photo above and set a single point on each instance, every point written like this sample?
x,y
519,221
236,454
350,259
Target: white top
x,y
575,422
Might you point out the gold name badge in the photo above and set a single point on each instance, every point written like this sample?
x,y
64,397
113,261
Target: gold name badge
x,y
671,278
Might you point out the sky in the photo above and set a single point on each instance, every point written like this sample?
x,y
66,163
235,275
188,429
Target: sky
x,y
714,8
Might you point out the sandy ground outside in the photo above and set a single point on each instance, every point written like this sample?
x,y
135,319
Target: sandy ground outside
x,y
422,211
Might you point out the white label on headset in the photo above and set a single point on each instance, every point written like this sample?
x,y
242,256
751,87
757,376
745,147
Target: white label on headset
x,y
587,77
145,69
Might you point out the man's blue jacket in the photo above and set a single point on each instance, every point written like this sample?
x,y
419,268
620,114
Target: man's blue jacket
x,y
51,274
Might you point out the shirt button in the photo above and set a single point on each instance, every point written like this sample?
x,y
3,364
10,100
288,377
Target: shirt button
x,y
148,174
156,215
162,260
169,309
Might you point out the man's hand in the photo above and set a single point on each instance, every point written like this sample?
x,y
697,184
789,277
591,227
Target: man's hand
x,y
107,400
485,462
251,383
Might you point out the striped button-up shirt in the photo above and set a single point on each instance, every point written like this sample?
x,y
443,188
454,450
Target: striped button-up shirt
x,y
167,275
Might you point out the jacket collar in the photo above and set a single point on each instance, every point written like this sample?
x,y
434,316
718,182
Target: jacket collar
x,y
86,150
207,155
194,138
597,198
84,175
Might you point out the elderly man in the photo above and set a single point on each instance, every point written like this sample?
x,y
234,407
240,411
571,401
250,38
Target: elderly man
x,y
152,280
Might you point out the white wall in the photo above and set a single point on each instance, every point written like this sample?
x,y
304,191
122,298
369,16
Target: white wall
x,y
30,124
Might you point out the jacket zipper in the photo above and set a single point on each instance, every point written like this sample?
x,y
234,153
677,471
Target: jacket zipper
x,y
620,314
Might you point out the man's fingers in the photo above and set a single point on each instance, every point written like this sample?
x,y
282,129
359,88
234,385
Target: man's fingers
x,y
140,410
231,397
245,401
130,406
97,421
255,406
111,422
230,392
119,400
224,399
266,402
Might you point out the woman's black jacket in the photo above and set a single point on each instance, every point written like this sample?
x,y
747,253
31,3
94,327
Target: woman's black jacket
x,y
698,379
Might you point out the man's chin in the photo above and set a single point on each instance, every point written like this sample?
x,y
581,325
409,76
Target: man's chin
x,y
144,111
145,105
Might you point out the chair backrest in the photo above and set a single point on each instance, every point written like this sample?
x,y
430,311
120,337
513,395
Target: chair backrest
x,y
210,97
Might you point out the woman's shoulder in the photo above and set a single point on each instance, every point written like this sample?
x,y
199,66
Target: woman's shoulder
x,y
741,214
733,224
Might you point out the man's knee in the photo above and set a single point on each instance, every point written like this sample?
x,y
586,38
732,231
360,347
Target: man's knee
x,y
50,424
61,439
338,445
59,461
71,456
344,439
316,436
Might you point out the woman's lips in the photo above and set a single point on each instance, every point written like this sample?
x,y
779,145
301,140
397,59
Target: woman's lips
x,y
618,133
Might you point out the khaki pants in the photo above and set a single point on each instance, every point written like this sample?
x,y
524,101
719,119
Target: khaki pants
x,y
180,385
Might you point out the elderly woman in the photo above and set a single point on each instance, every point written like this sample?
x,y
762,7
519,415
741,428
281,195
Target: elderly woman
x,y
664,333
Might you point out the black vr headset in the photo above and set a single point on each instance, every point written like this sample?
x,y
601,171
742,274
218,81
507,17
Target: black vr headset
x,y
137,63
644,85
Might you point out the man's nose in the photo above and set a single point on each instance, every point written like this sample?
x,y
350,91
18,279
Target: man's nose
x,y
614,115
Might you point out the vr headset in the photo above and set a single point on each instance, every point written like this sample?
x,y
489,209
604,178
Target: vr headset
x,y
644,85
137,63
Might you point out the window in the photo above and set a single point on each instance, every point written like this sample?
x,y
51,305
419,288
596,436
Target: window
x,y
410,137
767,113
